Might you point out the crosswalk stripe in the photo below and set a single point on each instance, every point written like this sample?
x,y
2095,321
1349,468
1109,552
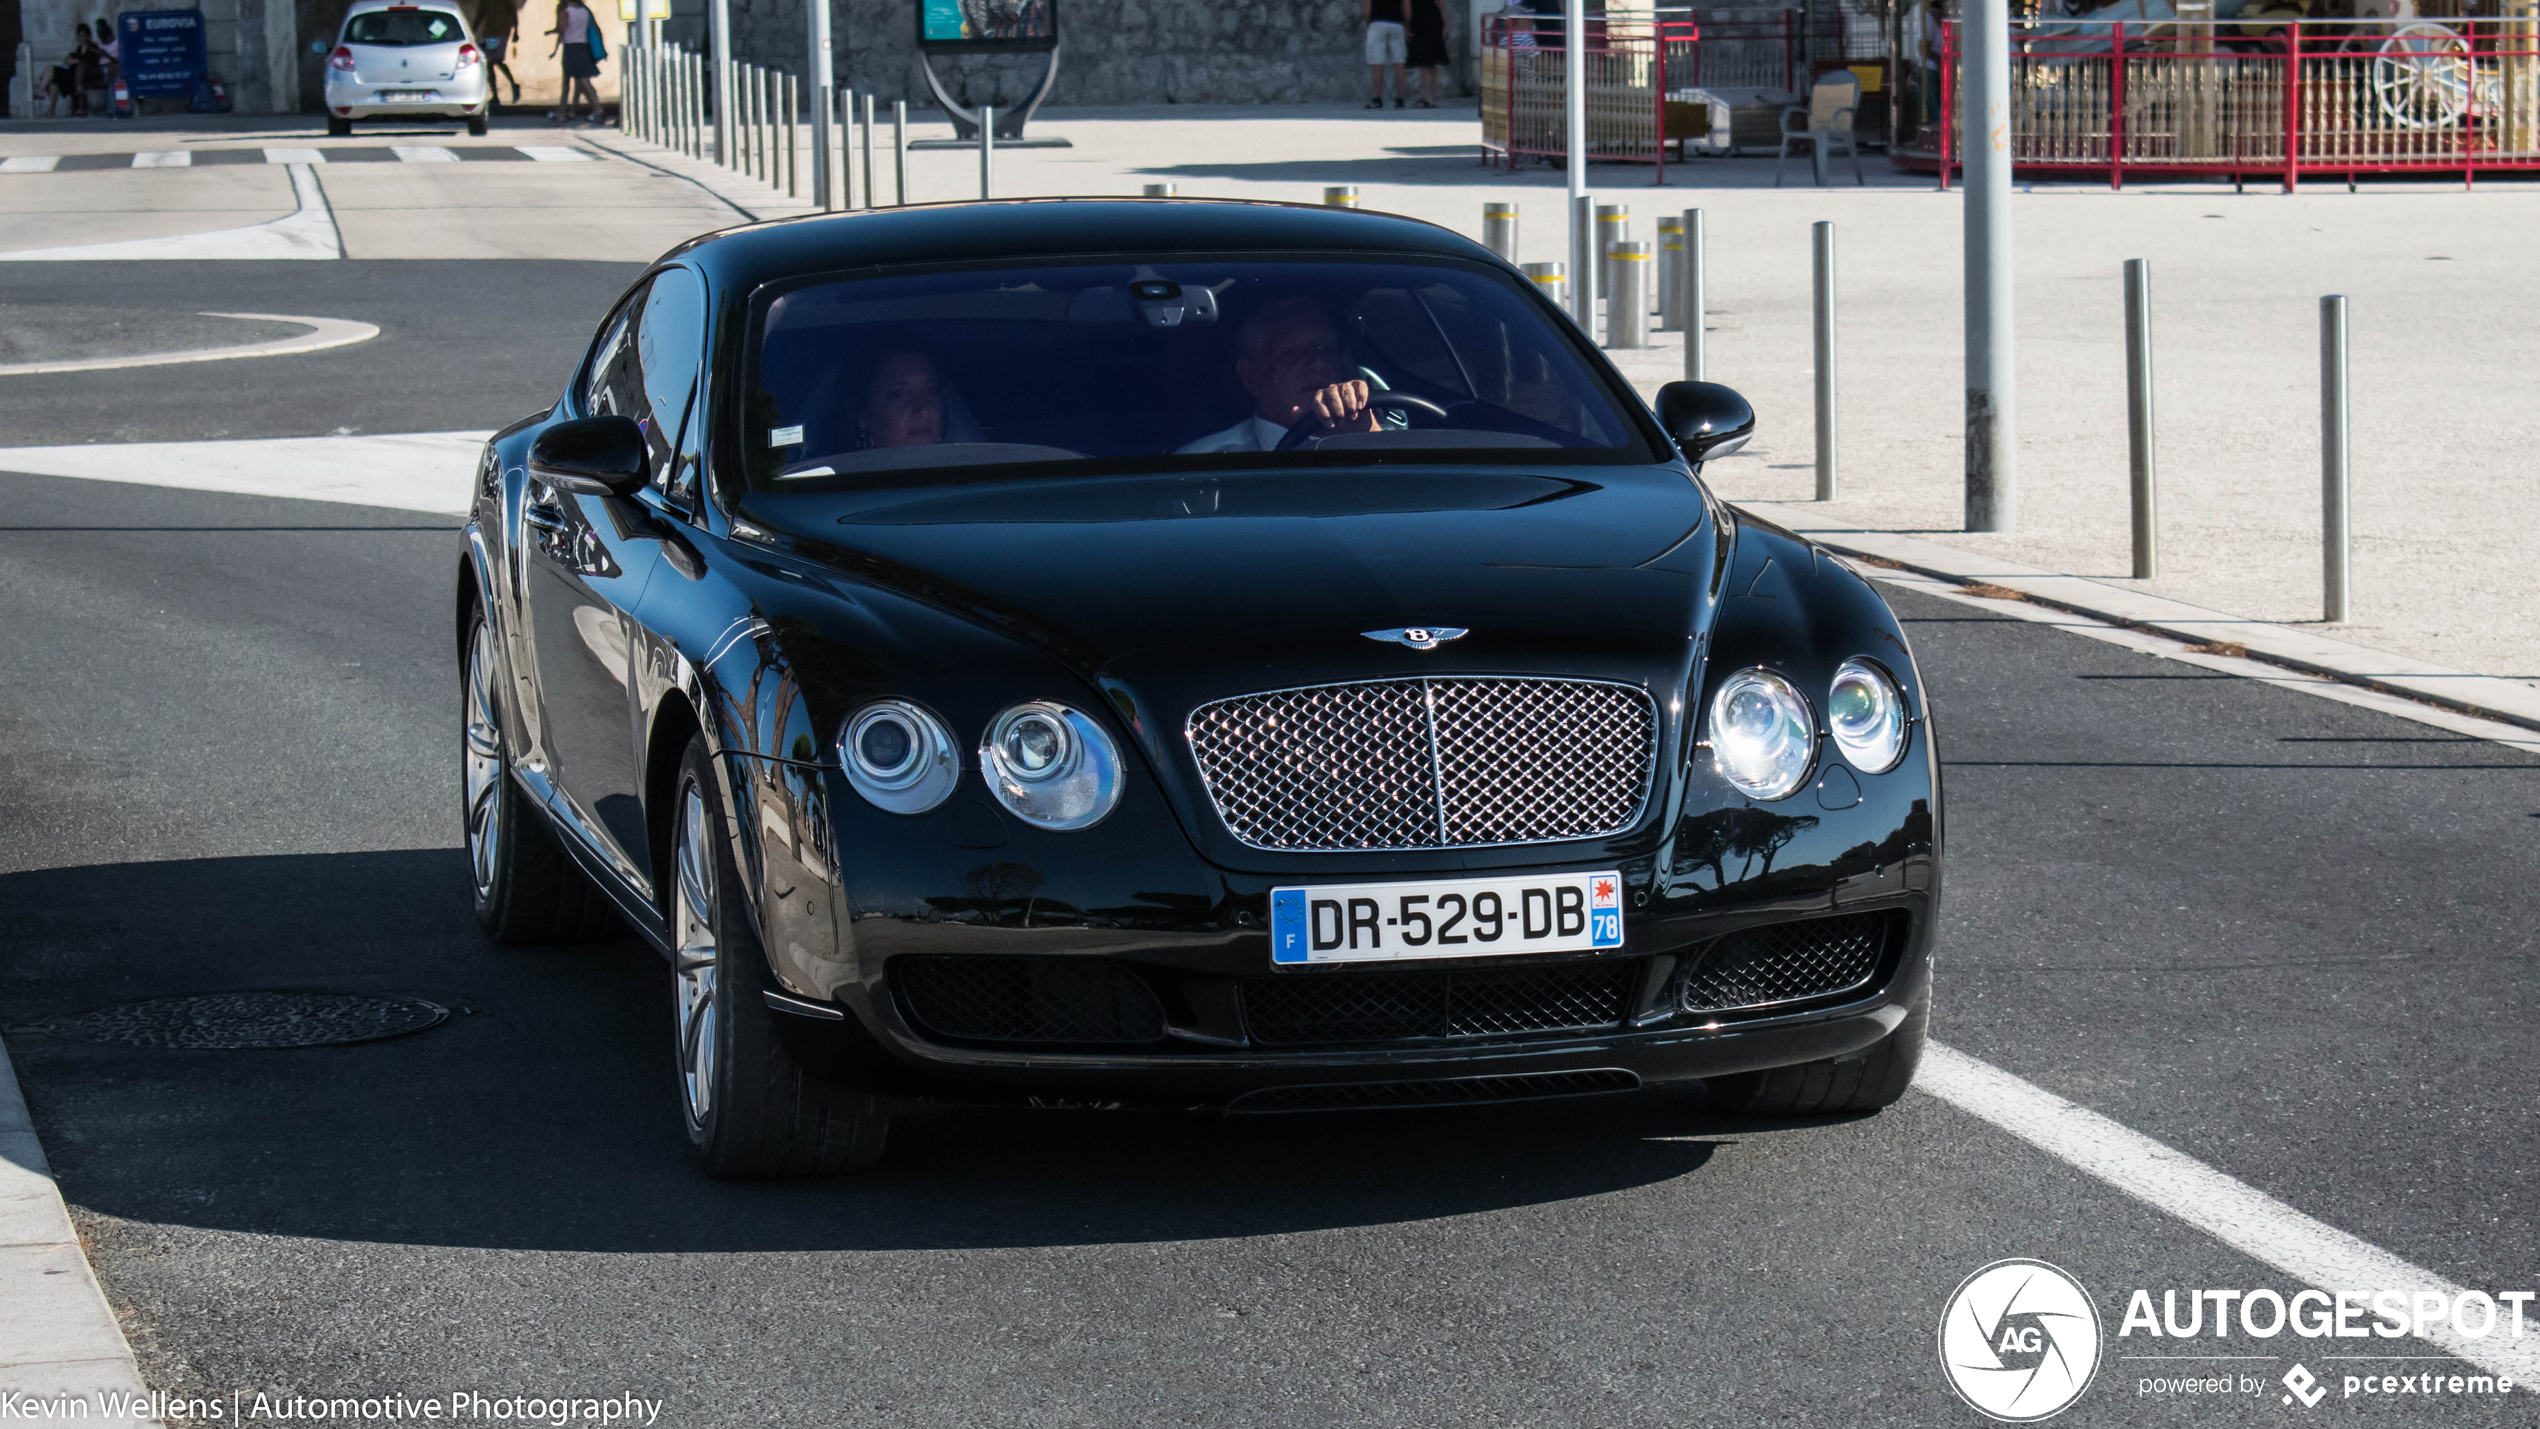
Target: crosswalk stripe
x,y
26,164
423,153
163,159
295,156
555,153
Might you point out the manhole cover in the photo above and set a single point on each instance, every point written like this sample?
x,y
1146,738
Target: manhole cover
x,y
228,1020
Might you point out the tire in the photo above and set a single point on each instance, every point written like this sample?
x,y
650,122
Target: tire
x,y
1866,1082
751,1108
338,128
476,122
527,890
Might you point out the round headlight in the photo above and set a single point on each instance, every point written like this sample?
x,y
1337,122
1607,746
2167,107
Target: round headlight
x,y
899,757
1051,766
1761,734
1865,713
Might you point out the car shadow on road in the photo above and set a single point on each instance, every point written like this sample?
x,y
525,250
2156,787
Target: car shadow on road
x,y
541,1114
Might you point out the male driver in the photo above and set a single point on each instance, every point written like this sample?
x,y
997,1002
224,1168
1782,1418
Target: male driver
x,y
1289,359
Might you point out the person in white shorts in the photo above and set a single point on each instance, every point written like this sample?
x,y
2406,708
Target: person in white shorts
x,y
1386,45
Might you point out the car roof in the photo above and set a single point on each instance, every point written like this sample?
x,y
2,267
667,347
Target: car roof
x,y
364,7
1009,230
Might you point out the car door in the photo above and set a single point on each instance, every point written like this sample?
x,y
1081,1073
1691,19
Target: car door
x,y
589,560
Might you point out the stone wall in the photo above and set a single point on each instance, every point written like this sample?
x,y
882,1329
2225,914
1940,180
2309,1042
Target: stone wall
x,y
1117,51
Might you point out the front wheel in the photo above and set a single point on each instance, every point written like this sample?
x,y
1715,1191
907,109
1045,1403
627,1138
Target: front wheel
x,y
1865,1082
752,1109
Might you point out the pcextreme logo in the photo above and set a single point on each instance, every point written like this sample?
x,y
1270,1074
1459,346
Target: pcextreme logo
x,y
2019,1341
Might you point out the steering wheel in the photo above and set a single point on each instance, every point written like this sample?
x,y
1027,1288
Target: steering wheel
x,y
1308,429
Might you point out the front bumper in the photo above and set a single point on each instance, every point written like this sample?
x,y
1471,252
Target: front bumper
x,y
1215,1064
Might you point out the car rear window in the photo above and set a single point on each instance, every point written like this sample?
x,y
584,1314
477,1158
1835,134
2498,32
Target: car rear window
x,y
404,27
1165,363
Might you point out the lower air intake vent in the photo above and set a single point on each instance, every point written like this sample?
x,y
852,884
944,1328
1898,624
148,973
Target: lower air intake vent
x,y
1788,962
1443,1091
1438,1002
1027,1000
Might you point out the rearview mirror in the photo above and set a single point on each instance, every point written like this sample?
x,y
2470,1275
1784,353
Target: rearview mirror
x,y
597,456
1706,419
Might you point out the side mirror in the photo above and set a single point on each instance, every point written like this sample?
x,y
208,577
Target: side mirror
x,y
597,456
1706,419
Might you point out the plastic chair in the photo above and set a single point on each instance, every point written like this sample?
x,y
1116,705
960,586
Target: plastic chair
x,y
1825,121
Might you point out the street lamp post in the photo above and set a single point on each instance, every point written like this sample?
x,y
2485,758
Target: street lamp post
x,y
1992,458
821,87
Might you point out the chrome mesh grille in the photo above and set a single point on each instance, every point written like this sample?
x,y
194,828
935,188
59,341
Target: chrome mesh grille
x,y
1443,763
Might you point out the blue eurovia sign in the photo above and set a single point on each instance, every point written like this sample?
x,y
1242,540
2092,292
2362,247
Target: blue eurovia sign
x,y
162,51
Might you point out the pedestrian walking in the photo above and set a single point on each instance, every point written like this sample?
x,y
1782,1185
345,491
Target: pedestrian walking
x,y
502,28
1427,48
575,41
1386,48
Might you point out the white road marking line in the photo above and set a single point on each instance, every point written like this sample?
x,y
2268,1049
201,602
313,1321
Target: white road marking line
x,y
2224,1207
409,471
295,156
322,333
308,233
555,153
163,159
30,164
423,153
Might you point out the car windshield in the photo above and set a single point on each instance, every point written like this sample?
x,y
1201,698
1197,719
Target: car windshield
x,y
1168,364
404,27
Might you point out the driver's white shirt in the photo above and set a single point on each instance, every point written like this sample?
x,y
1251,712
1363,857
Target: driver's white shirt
x,y
1252,434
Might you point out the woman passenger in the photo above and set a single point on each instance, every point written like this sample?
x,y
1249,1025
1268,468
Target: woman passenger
x,y
904,403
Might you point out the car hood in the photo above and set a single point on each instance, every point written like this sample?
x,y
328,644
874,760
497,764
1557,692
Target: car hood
x,y
1275,575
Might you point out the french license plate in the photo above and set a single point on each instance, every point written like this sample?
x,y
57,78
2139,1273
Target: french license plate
x,y
1446,918
409,96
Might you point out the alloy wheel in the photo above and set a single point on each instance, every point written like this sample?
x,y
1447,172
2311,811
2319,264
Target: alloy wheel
x,y
483,763
694,922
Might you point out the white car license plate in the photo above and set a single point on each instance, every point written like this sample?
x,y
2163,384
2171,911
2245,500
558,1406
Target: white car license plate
x,y
1447,918
409,96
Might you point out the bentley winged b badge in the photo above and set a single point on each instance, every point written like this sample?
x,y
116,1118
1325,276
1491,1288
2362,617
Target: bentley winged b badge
x,y
1419,637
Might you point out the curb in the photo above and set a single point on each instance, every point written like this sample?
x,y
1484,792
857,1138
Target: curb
x,y
58,1337
2485,696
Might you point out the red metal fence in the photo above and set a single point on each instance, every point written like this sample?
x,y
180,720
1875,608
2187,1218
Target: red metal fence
x,y
2274,100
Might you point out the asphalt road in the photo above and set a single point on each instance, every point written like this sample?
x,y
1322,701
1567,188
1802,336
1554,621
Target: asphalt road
x,y
2280,934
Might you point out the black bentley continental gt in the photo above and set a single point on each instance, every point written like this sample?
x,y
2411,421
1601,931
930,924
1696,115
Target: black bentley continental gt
x,y
1181,654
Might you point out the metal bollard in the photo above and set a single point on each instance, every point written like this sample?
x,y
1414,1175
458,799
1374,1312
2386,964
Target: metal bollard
x,y
793,160
1627,305
1823,234
1583,263
899,153
2138,414
1694,294
1613,225
1499,229
871,197
1160,191
1671,262
987,150
1340,196
2336,530
847,153
1547,276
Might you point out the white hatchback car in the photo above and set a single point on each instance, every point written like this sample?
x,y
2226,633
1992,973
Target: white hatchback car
x,y
403,59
